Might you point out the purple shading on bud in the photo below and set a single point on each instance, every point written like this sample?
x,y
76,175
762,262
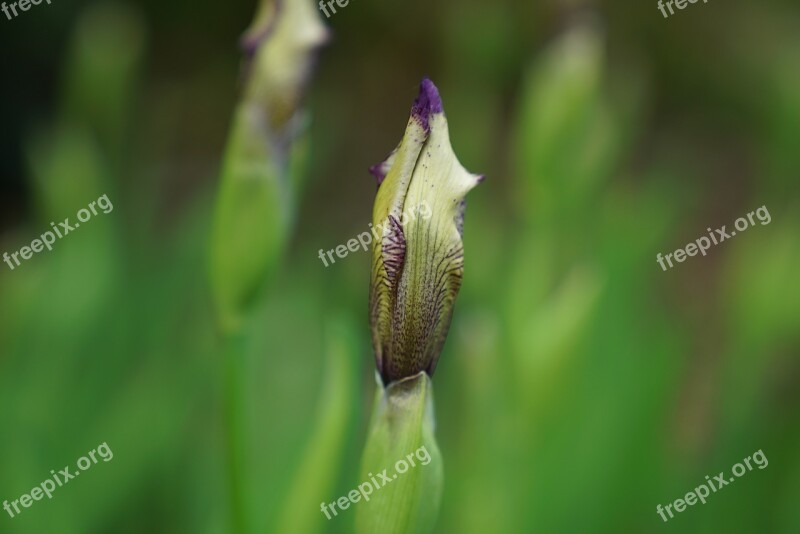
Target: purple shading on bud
x,y
252,40
379,171
427,103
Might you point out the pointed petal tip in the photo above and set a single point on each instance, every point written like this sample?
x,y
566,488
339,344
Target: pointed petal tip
x,y
427,103
378,172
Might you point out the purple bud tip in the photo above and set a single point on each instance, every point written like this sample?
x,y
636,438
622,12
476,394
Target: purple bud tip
x,y
378,172
427,103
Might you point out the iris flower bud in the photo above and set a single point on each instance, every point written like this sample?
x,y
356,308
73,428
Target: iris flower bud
x,y
255,205
417,264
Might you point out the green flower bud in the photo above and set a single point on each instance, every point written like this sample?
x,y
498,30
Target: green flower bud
x,y
255,203
417,263
280,50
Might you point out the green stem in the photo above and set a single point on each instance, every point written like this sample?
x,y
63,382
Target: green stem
x,y
235,428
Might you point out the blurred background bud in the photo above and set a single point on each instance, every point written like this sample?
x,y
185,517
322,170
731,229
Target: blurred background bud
x,y
256,200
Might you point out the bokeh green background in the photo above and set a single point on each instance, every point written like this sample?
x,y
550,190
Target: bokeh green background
x,y
580,385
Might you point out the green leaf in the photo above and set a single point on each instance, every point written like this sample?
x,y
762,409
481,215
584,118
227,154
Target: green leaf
x,y
320,466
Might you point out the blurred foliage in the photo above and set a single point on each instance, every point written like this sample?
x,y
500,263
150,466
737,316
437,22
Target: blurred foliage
x,y
580,385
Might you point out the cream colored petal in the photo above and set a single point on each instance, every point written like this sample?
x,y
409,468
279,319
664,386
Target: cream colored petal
x,y
388,252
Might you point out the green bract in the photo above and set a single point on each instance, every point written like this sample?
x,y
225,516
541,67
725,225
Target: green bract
x,y
402,423
417,265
